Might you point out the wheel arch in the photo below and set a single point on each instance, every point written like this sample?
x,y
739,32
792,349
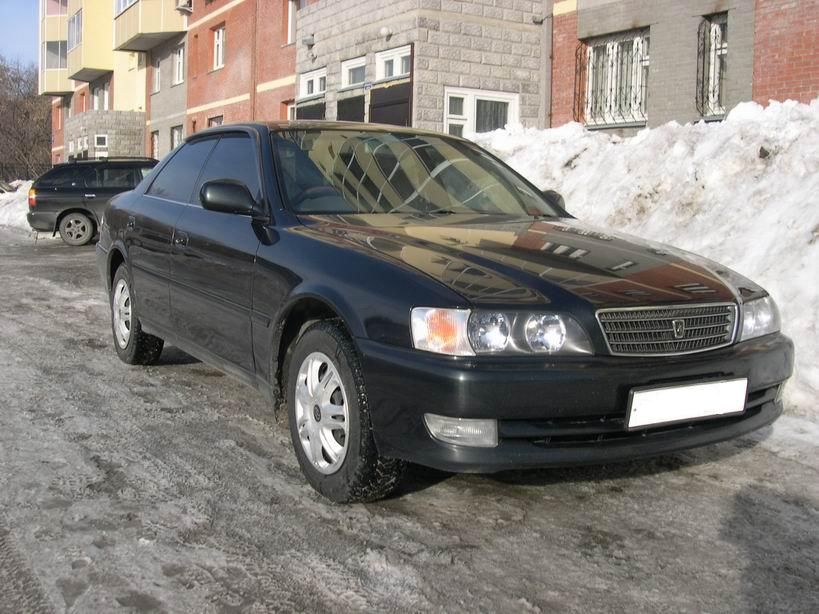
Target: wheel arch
x,y
86,212
298,315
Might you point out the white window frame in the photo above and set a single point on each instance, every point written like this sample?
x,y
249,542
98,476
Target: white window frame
x,y
179,65
636,111
180,130
120,6
155,144
347,66
62,55
97,144
74,31
219,36
157,73
314,76
100,96
471,97
291,111
395,55
292,10
70,147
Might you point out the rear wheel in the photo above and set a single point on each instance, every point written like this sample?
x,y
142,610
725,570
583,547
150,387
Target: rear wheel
x,y
76,228
133,346
330,420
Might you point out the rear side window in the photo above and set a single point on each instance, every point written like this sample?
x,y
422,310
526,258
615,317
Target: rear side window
x,y
233,158
64,177
176,180
119,178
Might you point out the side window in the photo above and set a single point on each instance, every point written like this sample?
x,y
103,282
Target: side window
x,y
118,177
176,180
233,158
64,177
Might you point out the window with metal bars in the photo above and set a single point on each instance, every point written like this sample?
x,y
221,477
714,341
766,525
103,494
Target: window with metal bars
x,y
712,63
611,79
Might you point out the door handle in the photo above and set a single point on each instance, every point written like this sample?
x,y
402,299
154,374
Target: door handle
x,y
180,239
131,223
90,195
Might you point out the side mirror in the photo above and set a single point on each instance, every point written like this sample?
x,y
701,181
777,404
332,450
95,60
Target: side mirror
x,y
554,199
227,196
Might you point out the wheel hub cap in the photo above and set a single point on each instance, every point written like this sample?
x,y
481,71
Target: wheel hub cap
x,y
121,310
322,415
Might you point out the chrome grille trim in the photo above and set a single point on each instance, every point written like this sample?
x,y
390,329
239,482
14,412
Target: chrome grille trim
x,y
648,331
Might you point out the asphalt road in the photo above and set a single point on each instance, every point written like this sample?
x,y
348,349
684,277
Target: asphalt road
x,y
170,488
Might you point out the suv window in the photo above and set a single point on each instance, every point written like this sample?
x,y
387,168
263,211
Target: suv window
x,y
176,180
68,177
232,158
119,177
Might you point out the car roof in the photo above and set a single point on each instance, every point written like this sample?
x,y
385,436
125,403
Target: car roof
x,y
119,160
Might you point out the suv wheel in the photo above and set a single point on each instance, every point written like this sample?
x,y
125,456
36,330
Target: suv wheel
x,y
76,228
133,346
330,420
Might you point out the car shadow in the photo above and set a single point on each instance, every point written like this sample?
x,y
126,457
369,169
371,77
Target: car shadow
x,y
420,478
172,355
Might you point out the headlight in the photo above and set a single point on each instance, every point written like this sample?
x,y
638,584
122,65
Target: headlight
x,y
759,317
461,332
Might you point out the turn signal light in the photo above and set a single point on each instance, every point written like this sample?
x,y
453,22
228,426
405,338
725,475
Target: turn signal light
x,y
32,198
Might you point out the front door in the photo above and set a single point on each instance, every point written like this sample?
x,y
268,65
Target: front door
x,y
150,229
214,256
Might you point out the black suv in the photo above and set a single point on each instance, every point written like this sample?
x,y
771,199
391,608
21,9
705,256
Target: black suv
x,y
406,296
71,196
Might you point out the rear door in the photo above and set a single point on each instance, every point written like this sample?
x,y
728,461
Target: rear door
x,y
110,179
150,229
63,187
214,255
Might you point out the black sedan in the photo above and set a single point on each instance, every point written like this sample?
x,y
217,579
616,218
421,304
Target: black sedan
x,y
404,296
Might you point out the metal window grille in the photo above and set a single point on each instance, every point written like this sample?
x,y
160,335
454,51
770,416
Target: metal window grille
x,y
611,79
712,62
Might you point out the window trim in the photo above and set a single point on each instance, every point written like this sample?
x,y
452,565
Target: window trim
x,y
181,129
97,138
471,96
711,66
75,27
396,53
156,82
347,66
120,6
292,11
305,78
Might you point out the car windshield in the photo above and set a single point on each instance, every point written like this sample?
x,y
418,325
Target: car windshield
x,y
338,171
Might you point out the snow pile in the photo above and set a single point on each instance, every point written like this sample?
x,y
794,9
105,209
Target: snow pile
x,y
743,192
14,206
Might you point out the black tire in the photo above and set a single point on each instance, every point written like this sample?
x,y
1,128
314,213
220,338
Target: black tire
x,y
76,229
363,475
140,348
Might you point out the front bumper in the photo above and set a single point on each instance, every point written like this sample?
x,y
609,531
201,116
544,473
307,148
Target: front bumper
x,y
42,221
557,412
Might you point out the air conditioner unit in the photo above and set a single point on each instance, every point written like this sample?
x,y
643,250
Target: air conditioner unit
x,y
185,5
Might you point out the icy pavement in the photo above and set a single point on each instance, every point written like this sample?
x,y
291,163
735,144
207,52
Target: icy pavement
x,y
170,489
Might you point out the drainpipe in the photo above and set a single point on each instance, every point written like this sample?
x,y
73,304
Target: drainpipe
x,y
547,54
253,51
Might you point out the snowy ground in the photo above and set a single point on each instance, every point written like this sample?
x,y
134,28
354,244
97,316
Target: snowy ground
x,y
743,192
170,488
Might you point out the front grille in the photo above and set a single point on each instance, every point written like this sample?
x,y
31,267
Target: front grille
x,y
668,330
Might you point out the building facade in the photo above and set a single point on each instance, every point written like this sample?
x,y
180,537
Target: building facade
x,y
134,77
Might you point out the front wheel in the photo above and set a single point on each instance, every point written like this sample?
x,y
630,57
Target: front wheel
x,y
76,229
330,420
133,346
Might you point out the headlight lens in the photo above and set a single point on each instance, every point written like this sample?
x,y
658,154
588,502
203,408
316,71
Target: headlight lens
x,y
488,332
759,317
545,333
461,332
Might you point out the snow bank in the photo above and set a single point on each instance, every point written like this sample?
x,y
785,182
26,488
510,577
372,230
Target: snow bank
x,y
14,206
743,192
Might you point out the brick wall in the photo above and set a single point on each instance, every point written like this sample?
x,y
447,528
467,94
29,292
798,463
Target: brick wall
x,y
564,48
786,50
125,130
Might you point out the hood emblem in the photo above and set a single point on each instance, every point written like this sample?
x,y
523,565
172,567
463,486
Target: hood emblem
x,y
679,328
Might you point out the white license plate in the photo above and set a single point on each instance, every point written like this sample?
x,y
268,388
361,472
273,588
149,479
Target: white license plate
x,y
668,404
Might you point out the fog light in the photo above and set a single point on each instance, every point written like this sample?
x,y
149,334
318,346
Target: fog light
x,y
463,431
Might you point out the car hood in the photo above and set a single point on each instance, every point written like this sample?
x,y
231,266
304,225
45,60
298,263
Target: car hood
x,y
501,260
